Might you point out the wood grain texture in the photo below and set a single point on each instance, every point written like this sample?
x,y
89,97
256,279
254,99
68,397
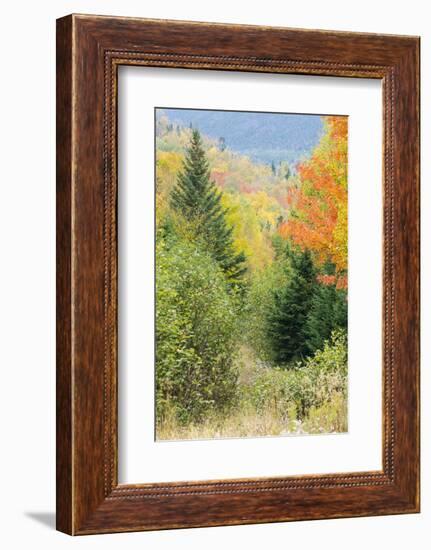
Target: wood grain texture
x,y
64,497
90,49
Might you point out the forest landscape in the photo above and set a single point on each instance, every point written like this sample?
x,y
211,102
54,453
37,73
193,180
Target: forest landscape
x,y
251,274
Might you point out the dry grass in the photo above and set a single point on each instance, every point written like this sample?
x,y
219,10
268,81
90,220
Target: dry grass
x,y
247,422
239,424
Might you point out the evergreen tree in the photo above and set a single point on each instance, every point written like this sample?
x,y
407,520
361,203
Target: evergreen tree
x,y
288,330
221,144
197,198
340,309
328,312
320,321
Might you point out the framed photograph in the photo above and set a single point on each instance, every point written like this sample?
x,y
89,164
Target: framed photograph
x,y
237,274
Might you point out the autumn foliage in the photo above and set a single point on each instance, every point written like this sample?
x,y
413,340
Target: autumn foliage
x,y
251,277
318,219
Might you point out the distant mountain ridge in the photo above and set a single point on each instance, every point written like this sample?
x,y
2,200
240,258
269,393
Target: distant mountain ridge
x,y
264,137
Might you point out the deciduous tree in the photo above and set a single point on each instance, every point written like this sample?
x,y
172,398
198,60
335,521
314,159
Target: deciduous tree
x,y
318,220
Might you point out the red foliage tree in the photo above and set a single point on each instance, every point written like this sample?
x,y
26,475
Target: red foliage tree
x,y
318,218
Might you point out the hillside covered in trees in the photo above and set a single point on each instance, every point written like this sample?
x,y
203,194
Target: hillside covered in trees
x,y
251,279
263,137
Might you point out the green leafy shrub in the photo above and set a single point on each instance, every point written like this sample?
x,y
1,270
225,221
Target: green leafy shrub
x,y
306,386
258,308
195,333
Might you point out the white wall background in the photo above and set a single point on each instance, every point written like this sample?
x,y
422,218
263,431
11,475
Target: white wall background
x,y
27,287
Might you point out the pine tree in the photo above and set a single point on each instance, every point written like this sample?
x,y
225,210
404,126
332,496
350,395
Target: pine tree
x,y
288,330
328,312
340,309
320,321
221,144
197,198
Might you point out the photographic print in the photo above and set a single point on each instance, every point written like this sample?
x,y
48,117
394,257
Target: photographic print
x,y
251,274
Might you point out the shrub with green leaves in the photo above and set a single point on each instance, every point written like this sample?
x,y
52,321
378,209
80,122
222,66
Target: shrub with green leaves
x,y
305,387
195,333
258,307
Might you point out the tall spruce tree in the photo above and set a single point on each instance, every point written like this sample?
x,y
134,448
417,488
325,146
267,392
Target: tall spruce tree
x,y
287,329
328,311
197,198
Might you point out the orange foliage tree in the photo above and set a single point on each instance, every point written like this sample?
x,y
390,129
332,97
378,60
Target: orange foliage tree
x,y
318,219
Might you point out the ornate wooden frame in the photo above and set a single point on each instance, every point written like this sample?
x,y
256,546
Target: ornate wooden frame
x,y
89,51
